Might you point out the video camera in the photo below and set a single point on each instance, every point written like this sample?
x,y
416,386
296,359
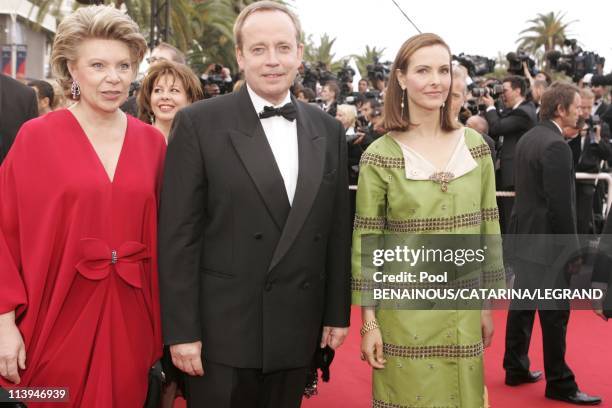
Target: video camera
x,y
345,77
316,73
378,71
577,63
476,65
515,63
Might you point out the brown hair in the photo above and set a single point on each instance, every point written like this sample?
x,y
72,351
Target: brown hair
x,y
180,72
264,5
104,22
558,94
393,118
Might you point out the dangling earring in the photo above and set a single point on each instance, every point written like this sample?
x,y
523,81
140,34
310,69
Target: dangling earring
x,y
75,89
403,102
442,113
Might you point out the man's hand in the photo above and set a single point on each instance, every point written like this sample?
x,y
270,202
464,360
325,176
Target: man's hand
x,y
187,357
487,100
12,350
333,336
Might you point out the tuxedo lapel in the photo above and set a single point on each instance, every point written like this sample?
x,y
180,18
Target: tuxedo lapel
x,y
254,151
311,155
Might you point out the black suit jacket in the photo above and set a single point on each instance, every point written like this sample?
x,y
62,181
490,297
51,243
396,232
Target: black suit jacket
x,y
18,104
511,125
587,158
241,270
545,194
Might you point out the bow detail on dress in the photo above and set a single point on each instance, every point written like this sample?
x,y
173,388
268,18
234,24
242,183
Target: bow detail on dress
x,y
97,258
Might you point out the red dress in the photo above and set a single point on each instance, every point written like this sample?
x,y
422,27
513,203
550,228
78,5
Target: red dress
x,y
78,260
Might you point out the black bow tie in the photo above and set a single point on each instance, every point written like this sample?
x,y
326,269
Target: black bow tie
x,y
286,111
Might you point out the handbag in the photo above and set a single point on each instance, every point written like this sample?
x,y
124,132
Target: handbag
x,y
156,383
321,360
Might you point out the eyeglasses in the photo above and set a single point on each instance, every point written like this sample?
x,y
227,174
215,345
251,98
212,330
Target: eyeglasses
x,y
152,60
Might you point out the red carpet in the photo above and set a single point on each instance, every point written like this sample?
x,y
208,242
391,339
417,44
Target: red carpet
x,y
589,355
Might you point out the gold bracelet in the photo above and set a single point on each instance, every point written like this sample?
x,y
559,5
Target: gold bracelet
x,y
369,326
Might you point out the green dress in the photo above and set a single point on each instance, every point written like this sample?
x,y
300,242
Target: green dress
x,y
434,357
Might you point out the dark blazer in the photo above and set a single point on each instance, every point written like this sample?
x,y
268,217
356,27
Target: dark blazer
x,y
545,191
18,104
587,158
241,270
511,125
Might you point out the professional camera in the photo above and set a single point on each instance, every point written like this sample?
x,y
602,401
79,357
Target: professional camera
x,y
515,63
493,89
316,73
378,71
134,87
577,63
476,65
345,77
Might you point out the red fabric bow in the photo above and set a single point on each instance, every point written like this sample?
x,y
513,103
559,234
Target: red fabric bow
x,y
97,258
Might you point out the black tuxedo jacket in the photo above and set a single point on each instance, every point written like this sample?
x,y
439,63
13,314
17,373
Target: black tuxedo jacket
x,y
241,270
587,158
511,125
17,105
545,193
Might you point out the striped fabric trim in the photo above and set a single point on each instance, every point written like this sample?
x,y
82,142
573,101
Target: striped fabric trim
x,y
369,223
382,161
480,151
369,285
441,351
427,224
497,275
382,404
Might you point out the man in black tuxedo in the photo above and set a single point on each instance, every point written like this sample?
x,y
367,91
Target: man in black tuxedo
x,y
517,118
18,104
254,231
545,204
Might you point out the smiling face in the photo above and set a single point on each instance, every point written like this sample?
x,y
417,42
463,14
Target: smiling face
x,y
270,55
104,71
427,78
167,98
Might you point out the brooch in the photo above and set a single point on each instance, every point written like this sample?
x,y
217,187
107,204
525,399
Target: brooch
x,y
442,178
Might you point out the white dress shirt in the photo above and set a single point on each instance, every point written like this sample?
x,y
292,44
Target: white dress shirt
x,y
282,138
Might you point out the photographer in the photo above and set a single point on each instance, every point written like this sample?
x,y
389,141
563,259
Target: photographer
x,y
368,120
347,115
590,147
217,80
507,127
363,86
329,97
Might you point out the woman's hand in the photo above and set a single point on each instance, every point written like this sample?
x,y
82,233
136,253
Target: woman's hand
x,y
372,349
486,324
12,348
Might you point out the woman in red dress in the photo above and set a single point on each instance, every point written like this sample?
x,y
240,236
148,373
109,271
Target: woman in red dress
x,y
78,210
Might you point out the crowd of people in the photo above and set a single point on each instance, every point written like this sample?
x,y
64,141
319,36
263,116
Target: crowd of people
x,y
203,226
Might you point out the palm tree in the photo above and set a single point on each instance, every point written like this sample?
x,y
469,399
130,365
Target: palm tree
x,y
547,30
371,55
322,52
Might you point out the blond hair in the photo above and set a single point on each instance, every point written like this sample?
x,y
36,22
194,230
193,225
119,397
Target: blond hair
x,y
264,5
349,111
102,22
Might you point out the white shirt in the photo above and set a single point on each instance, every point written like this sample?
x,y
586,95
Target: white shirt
x,y
596,105
282,138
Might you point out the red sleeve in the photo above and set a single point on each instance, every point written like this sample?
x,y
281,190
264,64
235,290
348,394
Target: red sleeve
x,y
12,290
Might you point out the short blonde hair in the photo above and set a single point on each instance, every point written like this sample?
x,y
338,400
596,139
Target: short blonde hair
x,y
103,22
264,5
349,111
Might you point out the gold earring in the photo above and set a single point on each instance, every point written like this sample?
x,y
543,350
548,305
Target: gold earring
x,y
403,102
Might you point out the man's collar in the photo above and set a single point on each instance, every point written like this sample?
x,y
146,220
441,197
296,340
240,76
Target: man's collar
x,y
557,125
518,104
259,102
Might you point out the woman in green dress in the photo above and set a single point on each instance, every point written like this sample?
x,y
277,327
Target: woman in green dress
x,y
428,175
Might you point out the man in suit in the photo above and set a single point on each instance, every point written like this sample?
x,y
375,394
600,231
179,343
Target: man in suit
x,y
18,104
517,118
545,204
590,147
254,229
